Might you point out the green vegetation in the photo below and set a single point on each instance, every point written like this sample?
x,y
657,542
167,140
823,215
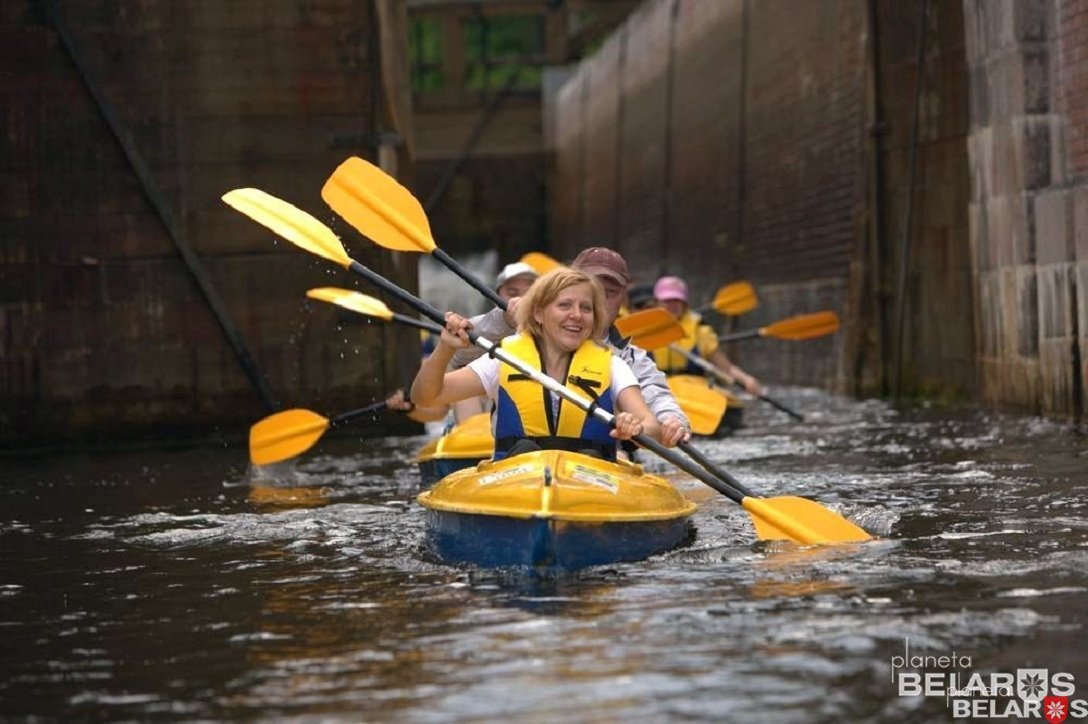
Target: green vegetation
x,y
425,54
495,48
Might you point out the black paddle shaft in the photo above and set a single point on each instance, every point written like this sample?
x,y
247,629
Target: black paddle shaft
x,y
747,334
352,414
775,403
418,323
475,283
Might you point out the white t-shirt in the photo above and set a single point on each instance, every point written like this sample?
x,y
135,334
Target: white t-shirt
x,y
487,369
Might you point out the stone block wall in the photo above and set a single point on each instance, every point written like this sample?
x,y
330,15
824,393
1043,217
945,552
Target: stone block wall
x,y
1029,164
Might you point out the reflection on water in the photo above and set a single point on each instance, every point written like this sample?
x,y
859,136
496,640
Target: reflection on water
x,y
185,585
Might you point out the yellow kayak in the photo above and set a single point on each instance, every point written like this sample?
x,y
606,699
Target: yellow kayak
x,y
465,446
554,508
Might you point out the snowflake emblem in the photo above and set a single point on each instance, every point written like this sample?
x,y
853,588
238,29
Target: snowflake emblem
x,y
1056,710
1033,686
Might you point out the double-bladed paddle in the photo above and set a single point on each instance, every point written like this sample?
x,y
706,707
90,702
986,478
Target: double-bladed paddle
x,y
539,261
377,205
369,306
733,299
290,433
802,326
786,517
703,406
661,328
708,367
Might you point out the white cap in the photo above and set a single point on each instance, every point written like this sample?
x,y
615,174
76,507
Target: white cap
x,y
516,269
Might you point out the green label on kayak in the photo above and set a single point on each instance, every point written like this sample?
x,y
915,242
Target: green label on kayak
x,y
594,477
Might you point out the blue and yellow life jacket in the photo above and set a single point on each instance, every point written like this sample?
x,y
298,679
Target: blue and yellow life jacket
x,y
523,408
674,363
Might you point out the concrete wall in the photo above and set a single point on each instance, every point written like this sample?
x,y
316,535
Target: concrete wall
x,y
757,140
106,336
1029,200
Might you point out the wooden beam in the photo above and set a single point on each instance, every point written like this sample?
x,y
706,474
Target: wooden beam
x,y
395,75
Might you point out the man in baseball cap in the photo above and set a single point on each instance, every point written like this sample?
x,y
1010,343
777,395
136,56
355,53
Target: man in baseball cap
x,y
610,269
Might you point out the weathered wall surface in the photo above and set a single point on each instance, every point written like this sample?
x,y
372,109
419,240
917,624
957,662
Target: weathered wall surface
x,y
738,139
105,333
1029,200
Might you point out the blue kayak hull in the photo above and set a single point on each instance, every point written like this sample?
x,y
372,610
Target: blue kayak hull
x,y
495,542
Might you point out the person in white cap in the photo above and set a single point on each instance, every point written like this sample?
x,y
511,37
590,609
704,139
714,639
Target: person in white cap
x,y
514,280
699,339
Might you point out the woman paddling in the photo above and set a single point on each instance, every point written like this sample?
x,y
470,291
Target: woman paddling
x,y
558,320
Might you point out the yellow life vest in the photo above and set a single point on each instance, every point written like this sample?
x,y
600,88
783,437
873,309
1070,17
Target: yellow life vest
x,y
523,408
675,363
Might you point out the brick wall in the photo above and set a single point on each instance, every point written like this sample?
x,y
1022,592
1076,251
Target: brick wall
x,y
736,143
106,335
1072,72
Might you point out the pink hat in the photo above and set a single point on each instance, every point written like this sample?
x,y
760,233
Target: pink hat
x,y
602,262
671,288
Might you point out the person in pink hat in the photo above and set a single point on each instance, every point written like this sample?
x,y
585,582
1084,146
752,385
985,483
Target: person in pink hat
x,y
699,339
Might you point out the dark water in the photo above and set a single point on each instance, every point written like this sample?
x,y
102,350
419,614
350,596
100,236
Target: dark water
x,y
180,585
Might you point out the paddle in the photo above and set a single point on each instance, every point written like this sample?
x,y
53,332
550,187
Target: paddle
x,y
304,231
733,299
709,368
703,405
775,518
539,261
287,434
371,307
803,326
650,328
377,206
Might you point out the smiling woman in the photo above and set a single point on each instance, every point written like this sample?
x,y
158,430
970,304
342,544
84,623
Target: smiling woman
x,y
559,319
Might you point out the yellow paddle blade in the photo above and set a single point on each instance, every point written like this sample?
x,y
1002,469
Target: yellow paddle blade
x,y
284,435
736,298
540,262
703,405
380,208
800,520
289,222
355,301
803,326
650,328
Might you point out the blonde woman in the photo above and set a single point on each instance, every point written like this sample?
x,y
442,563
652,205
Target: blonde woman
x,y
559,319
